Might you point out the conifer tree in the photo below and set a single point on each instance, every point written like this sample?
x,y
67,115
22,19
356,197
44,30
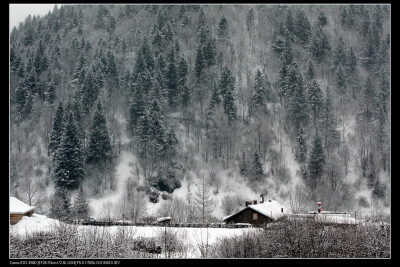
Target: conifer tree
x,y
172,78
367,102
320,46
351,63
157,131
111,24
147,54
259,95
339,55
243,166
184,91
328,123
366,22
258,170
316,163
69,170
91,87
302,27
60,205
223,29
199,63
80,70
50,89
81,205
310,74
289,23
287,60
227,89
57,132
171,142
301,146
99,149
315,99
322,19
298,108
210,52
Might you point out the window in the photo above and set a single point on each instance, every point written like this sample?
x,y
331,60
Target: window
x,y
255,216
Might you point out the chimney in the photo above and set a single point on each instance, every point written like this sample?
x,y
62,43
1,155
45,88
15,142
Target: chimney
x,y
319,207
281,209
262,198
269,200
255,202
248,203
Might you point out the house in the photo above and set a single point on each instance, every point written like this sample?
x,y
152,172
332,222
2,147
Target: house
x,y
19,209
256,214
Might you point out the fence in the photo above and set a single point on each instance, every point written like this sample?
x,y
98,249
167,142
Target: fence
x,y
189,225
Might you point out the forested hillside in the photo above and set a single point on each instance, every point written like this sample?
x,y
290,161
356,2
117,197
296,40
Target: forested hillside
x,y
140,111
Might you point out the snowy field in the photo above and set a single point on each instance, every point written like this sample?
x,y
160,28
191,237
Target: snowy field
x,y
193,238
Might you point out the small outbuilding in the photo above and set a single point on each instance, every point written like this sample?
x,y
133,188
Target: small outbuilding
x,y
163,220
257,214
19,209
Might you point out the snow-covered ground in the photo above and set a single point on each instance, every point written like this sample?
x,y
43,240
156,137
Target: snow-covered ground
x,y
193,238
35,223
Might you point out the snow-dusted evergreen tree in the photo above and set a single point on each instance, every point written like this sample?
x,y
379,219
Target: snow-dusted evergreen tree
x,y
258,102
316,163
69,170
302,27
199,63
78,75
227,89
339,55
257,169
301,146
60,204
172,143
322,19
298,106
50,92
310,74
367,103
315,99
99,149
328,123
223,29
243,165
57,132
320,46
81,206
91,88
172,78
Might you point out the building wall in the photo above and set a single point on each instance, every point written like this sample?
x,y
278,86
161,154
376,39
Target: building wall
x,y
14,218
246,216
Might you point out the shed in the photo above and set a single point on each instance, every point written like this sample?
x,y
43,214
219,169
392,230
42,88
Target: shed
x,y
163,220
19,209
262,213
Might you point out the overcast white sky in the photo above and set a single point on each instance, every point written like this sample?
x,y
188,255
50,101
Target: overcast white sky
x,y
18,12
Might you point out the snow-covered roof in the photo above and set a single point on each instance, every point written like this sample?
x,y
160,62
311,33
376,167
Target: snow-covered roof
x,y
19,207
161,219
271,209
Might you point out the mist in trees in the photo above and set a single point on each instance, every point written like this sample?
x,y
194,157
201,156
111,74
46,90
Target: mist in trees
x,y
260,94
